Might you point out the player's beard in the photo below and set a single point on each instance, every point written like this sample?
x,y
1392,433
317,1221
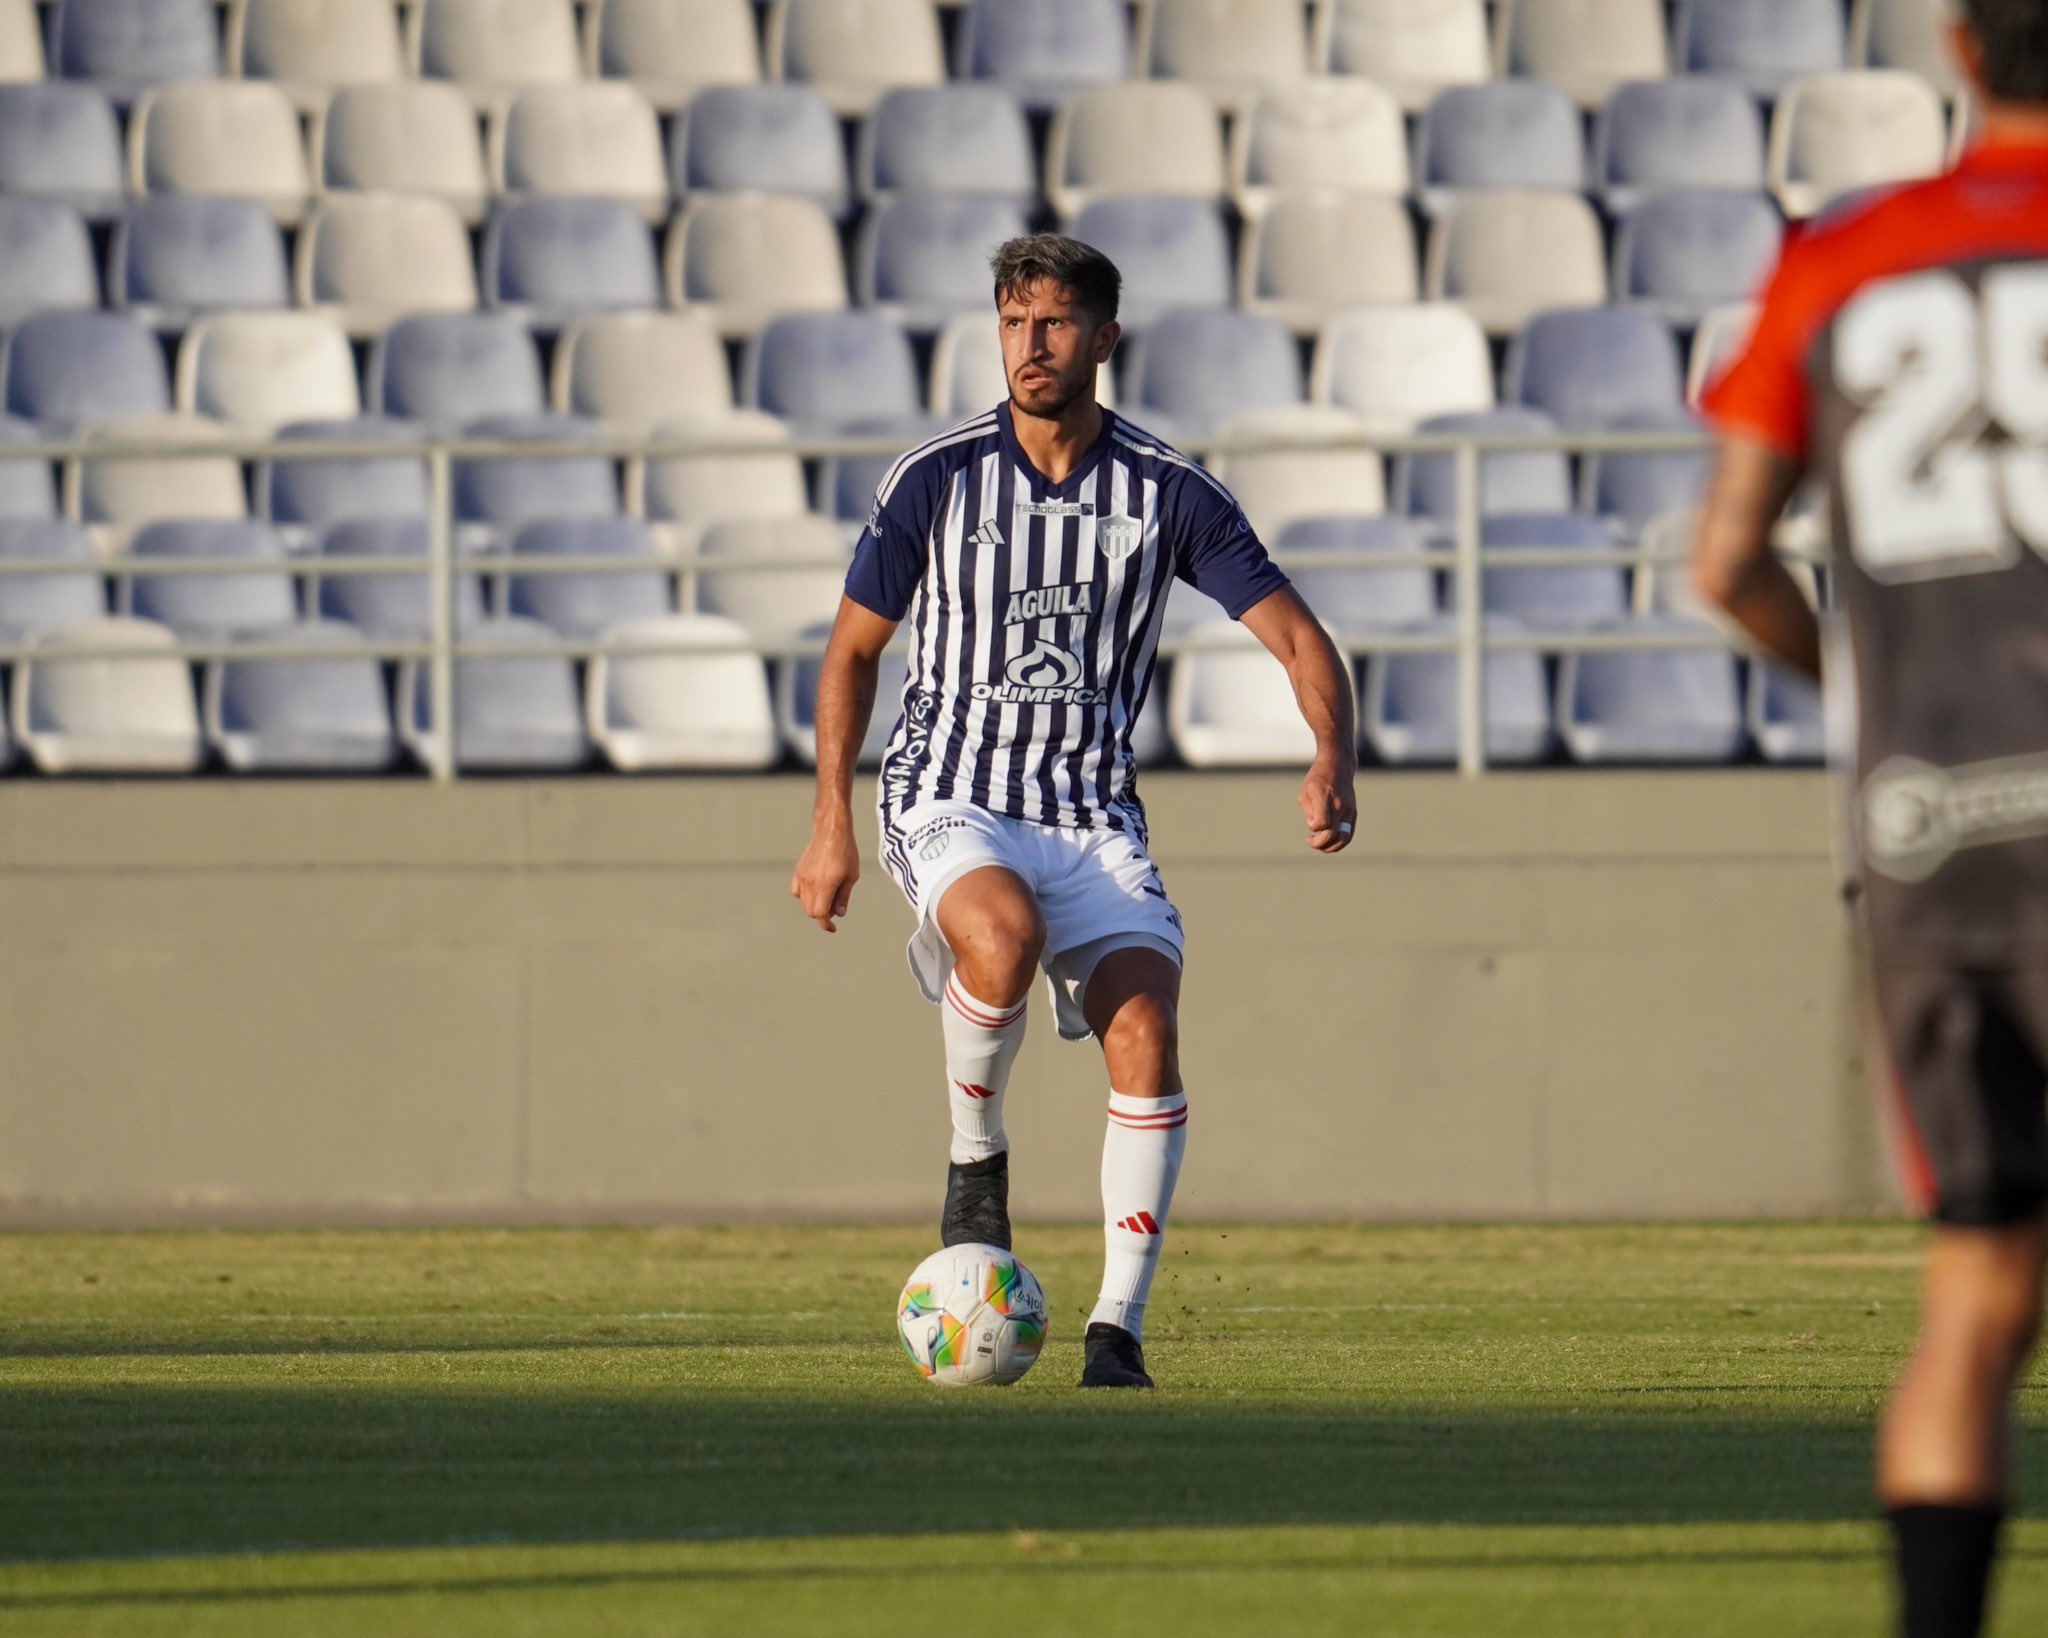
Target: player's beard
x,y
1051,401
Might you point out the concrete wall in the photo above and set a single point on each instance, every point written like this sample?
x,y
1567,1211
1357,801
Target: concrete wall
x,y
1573,995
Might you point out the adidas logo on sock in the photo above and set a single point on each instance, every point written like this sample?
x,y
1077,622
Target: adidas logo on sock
x,y
975,1091
1143,1223
987,535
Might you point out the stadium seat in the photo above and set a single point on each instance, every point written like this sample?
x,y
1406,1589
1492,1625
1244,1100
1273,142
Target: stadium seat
x,y
513,712
211,607
324,713
1584,47
1638,489
368,260
444,368
1171,252
1277,487
175,260
1506,134
46,260
396,606
635,370
1551,599
494,49
583,605
505,493
1651,705
1585,366
1695,133
126,46
742,259
1835,134
28,489
846,485
553,261
1316,252
1395,366
42,602
1507,256
1229,706
300,499
599,141
1320,134
235,139
1151,137
68,369
1234,50
923,258
776,606
854,50
116,495
968,139
796,704
1680,255
312,47
21,41
259,370
1413,47
1196,367
1718,342
1784,715
1044,50
823,372
62,142
1764,44
1426,486
1352,601
707,707
1906,34
672,52
760,138
967,370
412,137
686,493
132,714
1410,714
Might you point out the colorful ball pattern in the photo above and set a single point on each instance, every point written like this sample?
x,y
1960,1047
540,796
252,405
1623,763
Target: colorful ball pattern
x,y
972,1316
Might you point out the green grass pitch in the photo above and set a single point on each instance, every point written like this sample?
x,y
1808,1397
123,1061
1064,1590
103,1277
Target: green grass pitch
x,y
1404,1432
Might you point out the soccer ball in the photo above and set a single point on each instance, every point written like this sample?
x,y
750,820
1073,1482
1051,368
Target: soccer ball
x,y
971,1317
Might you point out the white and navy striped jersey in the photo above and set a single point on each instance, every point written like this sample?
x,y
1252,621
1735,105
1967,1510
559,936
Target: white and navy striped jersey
x,y
1034,612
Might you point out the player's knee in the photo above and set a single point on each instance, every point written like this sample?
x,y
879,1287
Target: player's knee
x,y
1147,1028
1002,945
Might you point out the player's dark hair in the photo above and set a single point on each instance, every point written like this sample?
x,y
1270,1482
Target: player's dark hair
x,y
1084,270
2014,37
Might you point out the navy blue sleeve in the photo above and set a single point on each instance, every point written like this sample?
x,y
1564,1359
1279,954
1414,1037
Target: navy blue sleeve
x,y
1215,548
890,556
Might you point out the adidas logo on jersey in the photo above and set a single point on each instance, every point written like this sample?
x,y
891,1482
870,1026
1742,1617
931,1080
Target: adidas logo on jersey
x,y
1048,603
987,535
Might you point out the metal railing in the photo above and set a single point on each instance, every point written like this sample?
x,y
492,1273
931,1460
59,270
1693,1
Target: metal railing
x,y
1466,558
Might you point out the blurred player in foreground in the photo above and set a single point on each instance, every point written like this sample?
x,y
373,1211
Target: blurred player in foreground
x,y
1032,549
1902,354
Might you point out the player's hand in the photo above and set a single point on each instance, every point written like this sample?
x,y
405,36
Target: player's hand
x,y
823,883
1329,803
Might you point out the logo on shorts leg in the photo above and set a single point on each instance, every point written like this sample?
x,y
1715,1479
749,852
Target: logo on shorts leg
x,y
936,846
932,840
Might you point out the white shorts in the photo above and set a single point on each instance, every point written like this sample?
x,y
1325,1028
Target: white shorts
x,y
1097,889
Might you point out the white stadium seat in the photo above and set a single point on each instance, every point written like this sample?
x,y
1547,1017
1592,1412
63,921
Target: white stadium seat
x,y
1718,342
134,714
708,708
598,141
310,47
1150,137
261,371
672,52
742,259
1322,133
21,41
682,495
1235,50
116,496
368,260
774,605
1859,128
414,137
1413,47
1233,707
854,50
1909,34
1395,366
1507,256
1584,47
1276,488
494,48
237,138
1316,252
636,370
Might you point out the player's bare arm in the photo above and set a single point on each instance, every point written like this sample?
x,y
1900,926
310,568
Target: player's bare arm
x,y
1733,566
1322,688
825,875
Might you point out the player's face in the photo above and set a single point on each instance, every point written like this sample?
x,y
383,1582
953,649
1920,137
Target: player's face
x,y
1051,349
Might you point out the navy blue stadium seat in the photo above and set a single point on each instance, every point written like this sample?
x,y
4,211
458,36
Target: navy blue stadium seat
x,y
1198,366
1583,366
1172,252
69,369
1651,705
212,606
511,712
1411,706
1784,715
847,485
826,371
1692,132
1426,486
127,46
767,138
1681,255
923,258
1569,599
1503,134
321,712
1765,44
446,368
584,605
553,261
508,492
62,142
178,257
947,139
797,704
37,602
28,489
1353,600
46,260
1044,49
389,605
301,498
1638,489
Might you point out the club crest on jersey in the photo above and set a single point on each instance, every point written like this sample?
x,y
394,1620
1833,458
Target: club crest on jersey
x,y
1118,537
1049,603
1042,675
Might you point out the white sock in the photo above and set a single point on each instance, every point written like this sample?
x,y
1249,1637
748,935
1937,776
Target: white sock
x,y
981,1045
1140,1164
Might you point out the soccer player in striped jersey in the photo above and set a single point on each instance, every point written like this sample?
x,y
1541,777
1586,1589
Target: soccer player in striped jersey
x,y
1032,549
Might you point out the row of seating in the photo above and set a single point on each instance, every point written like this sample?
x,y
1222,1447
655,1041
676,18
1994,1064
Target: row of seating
x,y
853,49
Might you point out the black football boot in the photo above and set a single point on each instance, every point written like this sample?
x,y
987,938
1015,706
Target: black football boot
x,y
1112,1358
977,1203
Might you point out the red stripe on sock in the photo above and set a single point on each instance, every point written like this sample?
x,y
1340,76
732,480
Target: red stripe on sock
x,y
974,1013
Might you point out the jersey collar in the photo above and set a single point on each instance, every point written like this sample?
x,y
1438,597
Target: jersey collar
x,y
1090,459
2005,154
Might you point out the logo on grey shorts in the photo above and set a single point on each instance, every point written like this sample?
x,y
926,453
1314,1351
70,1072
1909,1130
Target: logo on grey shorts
x,y
1916,815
